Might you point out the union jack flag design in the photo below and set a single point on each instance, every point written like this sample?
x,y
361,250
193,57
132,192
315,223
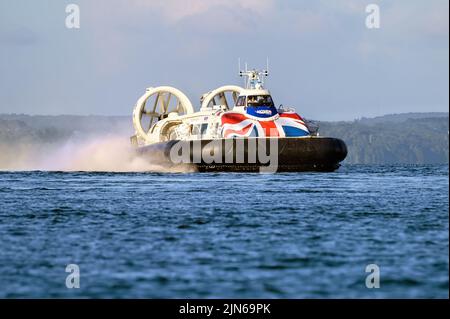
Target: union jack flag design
x,y
288,124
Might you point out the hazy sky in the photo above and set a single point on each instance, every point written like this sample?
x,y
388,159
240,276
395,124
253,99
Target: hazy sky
x,y
323,59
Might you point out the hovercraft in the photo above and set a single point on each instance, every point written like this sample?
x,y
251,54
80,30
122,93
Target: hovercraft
x,y
236,129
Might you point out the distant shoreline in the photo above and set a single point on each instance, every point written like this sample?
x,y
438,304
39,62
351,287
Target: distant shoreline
x,y
407,138
386,117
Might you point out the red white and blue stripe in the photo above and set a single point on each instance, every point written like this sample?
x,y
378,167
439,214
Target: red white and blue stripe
x,y
286,124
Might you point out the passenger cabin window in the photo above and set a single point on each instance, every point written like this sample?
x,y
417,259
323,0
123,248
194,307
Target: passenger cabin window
x,y
240,101
198,129
259,100
203,128
194,129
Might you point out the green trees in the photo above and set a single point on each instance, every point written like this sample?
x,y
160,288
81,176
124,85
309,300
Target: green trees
x,y
416,138
411,141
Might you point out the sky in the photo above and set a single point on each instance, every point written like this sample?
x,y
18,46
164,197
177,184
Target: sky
x,y
324,61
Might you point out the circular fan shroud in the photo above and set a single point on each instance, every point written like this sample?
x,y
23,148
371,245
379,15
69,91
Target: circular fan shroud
x,y
167,100
219,97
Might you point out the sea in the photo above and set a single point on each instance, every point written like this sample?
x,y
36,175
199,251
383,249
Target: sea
x,y
364,231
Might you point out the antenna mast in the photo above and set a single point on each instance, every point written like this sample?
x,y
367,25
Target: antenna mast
x,y
254,78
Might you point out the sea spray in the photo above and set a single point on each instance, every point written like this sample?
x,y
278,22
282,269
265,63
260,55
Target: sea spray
x,y
109,153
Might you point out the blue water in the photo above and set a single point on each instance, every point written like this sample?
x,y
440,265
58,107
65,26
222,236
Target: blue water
x,y
296,235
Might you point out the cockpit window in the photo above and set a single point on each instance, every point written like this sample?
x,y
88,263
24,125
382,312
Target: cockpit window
x,y
259,100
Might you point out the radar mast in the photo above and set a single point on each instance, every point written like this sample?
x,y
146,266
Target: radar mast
x,y
254,78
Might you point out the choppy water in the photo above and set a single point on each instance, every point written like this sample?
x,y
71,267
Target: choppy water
x,y
290,235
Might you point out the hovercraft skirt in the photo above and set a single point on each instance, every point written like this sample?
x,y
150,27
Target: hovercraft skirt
x,y
250,154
